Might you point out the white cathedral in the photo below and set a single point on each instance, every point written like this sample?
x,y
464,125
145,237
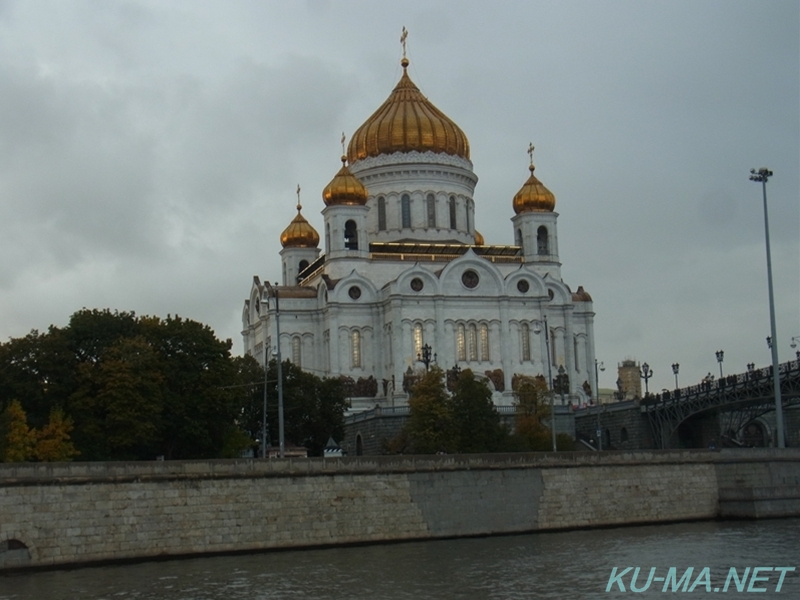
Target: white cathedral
x,y
405,275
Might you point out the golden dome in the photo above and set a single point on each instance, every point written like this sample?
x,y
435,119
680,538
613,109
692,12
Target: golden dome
x,y
407,122
299,233
344,188
534,196
581,295
478,238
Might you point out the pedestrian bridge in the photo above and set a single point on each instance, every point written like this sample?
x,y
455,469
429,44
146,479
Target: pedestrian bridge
x,y
740,399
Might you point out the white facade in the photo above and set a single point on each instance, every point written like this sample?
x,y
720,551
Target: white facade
x,y
403,271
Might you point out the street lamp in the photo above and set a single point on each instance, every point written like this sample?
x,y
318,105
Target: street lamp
x,y
597,365
281,440
795,339
751,367
537,329
646,374
425,357
675,368
720,356
761,176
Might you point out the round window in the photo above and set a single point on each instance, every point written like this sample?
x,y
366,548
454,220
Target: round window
x,y
470,279
354,292
523,286
416,284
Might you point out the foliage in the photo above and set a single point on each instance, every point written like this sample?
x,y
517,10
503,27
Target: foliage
x,y
17,440
313,407
430,423
476,422
532,409
53,443
134,387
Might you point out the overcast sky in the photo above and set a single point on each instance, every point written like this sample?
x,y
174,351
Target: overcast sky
x,y
150,151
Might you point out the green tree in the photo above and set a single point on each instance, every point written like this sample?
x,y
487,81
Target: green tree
x,y
429,428
532,409
53,443
17,440
476,423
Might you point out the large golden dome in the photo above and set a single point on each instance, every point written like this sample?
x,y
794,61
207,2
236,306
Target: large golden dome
x,y
299,233
407,122
344,188
534,196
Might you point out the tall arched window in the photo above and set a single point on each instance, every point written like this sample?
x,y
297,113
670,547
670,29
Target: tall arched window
x,y
484,342
575,351
542,243
430,206
351,235
525,333
296,351
472,342
405,210
552,347
418,339
327,238
461,342
452,206
381,214
355,349
466,212
518,237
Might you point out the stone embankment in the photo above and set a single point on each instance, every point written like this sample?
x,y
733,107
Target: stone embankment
x,y
70,513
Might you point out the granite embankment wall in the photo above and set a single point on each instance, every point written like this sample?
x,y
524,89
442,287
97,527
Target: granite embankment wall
x,y
53,514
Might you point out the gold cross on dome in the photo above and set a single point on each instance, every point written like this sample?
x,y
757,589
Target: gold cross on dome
x,y
298,197
403,37
343,139
530,152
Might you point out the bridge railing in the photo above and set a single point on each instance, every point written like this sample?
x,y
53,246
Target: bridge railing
x,y
749,379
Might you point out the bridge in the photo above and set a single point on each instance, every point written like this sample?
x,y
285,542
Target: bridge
x,y
737,399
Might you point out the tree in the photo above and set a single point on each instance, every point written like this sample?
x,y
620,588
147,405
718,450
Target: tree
x,y
532,410
53,443
17,441
429,428
476,422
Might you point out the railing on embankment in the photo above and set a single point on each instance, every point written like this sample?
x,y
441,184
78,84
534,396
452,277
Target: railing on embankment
x,y
70,513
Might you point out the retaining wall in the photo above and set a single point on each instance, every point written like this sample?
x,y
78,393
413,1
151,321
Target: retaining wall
x,y
56,514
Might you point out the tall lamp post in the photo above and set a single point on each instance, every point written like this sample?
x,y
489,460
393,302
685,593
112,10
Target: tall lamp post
x,y
646,374
598,365
720,355
537,329
675,368
264,416
281,440
761,176
425,356
795,339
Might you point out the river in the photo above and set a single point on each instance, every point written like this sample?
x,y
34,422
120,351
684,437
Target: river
x,y
565,565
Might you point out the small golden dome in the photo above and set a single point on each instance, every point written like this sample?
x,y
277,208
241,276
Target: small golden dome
x,y
344,188
581,295
534,196
299,233
478,238
406,122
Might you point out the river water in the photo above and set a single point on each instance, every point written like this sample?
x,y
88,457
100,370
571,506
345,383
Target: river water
x,y
567,565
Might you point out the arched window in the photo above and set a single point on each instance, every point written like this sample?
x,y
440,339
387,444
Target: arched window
x,y
452,212
518,237
575,351
525,333
472,342
355,349
430,206
351,235
297,357
623,435
466,212
418,339
327,238
542,244
302,265
484,342
461,342
381,214
405,210
552,347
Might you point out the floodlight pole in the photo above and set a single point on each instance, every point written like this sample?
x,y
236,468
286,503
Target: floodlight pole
x,y
762,175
